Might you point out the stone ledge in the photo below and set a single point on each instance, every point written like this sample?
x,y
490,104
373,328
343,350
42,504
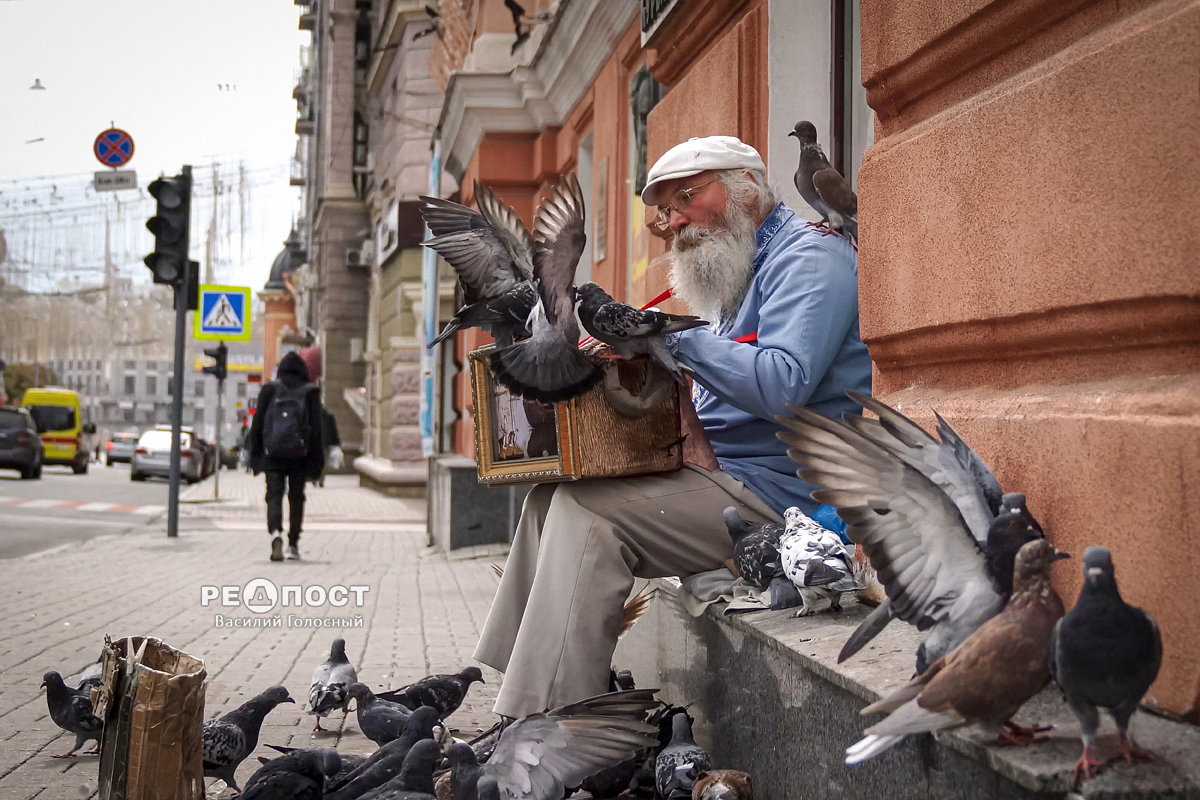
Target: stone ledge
x,y
405,479
766,673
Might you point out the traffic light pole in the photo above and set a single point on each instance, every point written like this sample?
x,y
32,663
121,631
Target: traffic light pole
x,y
181,310
220,422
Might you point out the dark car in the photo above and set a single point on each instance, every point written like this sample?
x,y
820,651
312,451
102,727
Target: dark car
x,y
20,446
120,448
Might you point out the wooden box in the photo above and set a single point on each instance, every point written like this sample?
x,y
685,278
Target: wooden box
x,y
523,441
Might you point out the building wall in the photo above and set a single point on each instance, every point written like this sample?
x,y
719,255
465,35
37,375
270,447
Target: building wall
x,y
1003,283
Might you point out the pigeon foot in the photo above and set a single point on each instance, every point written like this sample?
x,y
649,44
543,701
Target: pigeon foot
x,y
318,727
65,755
1020,730
1084,765
1130,753
95,751
1020,737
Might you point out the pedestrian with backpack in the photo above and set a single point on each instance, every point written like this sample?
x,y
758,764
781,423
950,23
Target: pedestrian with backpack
x,y
285,442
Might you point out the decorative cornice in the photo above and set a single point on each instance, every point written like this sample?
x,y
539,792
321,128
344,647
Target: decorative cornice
x,y
580,39
400,14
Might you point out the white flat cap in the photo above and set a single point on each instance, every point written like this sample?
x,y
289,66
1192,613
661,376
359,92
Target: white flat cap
x,y
697,155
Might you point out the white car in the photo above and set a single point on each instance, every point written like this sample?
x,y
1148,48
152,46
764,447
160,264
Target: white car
x,y
153,457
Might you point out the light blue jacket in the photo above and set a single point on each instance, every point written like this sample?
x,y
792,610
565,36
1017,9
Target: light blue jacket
x,y
803,304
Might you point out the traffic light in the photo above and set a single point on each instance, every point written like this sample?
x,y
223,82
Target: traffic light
x,y
169,261
219,353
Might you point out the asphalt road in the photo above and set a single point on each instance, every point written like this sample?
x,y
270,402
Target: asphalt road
x,y
63,508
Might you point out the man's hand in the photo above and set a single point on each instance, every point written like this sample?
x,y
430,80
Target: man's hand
x,y
696,449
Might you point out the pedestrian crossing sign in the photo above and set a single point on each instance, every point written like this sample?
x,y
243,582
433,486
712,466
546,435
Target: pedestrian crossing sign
x,y
223,313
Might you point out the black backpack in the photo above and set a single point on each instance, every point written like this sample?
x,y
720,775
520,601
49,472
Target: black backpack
x,y
286,427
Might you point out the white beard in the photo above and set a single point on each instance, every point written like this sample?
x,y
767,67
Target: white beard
x,y
711,268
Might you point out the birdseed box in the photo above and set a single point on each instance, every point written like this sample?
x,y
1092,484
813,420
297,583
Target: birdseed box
x,y
524,441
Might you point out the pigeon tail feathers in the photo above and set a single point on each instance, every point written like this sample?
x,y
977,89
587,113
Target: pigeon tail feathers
x,y
867,630
550,372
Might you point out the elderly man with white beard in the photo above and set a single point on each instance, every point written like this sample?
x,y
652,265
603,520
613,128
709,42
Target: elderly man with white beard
x,y
783,297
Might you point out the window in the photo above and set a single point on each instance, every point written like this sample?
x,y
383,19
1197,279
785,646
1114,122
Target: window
x,y
53,418
151,385
241,389
130,365
130,385
128,414
199,391
198,416
171,385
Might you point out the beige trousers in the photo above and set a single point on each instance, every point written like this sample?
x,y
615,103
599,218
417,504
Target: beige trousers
x,y
554,622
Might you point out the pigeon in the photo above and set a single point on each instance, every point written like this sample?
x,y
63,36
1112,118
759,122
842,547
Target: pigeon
x,y
630,331
381,721
723,784
539,756
493,255
349,763
329,683
922,511
549,366
91,678
822,186
816,562
755,548
415,780
71,710
1106,654
299,774
443,692
679,761
228,740
988,677
386,762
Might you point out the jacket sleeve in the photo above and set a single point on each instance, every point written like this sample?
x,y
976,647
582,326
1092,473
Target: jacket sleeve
x,y
316,446
254,440
809,301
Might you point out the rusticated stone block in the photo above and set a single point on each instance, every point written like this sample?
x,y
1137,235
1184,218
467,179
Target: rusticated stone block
x,y
406,379
406,409
404,444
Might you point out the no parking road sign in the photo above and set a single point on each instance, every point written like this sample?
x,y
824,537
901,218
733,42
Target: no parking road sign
x,y
223,314
113,148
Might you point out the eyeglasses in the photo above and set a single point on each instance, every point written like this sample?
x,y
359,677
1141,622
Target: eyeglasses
x,y
682,199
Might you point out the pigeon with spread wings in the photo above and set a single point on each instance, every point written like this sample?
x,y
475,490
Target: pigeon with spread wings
x,y
549,366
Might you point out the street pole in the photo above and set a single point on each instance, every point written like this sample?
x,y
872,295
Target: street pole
x,y
181,309
220,421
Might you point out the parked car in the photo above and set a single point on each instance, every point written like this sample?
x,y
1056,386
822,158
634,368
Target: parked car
x,y
66,437
20,446
153,457
120,449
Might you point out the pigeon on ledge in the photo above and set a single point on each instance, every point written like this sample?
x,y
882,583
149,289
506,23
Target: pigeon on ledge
x,y
329,683
679,761
823,187
755,548
816,562
443,692
300,775
1106,654
71,710
229,740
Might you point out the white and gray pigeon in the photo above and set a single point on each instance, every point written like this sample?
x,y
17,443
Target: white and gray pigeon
x,y
630,331
443,692
493,255
298,775
71,710
329,684
381,721
1105,654
822,186
816,562
549,366
230,739
679,761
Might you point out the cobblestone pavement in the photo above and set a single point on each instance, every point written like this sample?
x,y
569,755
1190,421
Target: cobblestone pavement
x,y
243,497
421,615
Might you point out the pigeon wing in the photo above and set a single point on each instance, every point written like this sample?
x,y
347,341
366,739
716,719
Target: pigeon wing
x,y
469,244
224,744
620,322
559,239
82,715
835,192
508,228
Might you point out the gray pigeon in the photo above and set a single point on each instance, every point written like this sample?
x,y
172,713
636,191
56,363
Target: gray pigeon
x,y
443,692
299,774
822,186
71,710
415,781
816,562
549,366
491,252
379,720
755,548
229,740
630,331
350,762
1105,654
680,761
386,762
329,683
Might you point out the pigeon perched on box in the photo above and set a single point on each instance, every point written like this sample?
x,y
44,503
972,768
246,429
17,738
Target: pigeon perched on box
x,y
822,186
229,740
415,780
1106,654
329,683
988,677
386,762
443,692
298,775
816,562
679,762
71,710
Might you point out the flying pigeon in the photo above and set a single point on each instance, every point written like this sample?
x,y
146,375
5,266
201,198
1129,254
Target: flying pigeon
x,y
71,710
755,548
816,562
989,676
680,761
922,510
349,763
630,331
493,255
723,784
443,692
381,721
386,762
228,740
1106,654
822,186
415,780
300,774
549,366
539,756
329,683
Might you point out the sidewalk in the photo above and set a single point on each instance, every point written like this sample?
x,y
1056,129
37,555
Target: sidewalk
x,y
421,615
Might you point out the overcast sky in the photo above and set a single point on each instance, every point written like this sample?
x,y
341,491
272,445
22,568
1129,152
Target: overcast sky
x,y
153,67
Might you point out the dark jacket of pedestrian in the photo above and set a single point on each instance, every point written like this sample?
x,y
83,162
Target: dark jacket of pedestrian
x,y
292,373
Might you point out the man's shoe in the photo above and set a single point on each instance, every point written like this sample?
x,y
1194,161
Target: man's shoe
x,y
292,553
277,547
